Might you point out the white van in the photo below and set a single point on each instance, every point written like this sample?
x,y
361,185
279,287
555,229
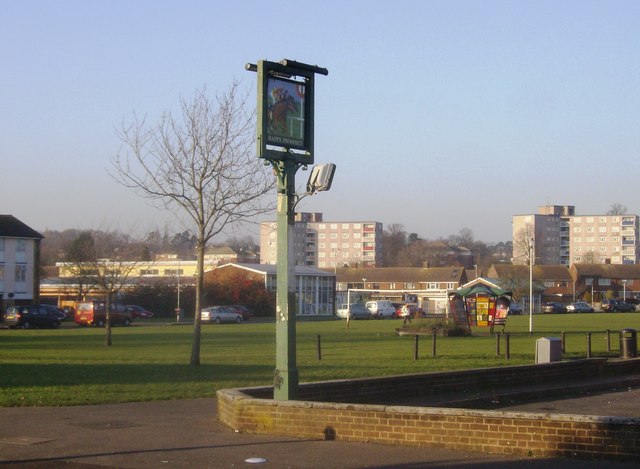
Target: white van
x,y
381,309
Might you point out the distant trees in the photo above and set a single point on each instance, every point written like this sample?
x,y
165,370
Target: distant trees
x,y
402,249
617,209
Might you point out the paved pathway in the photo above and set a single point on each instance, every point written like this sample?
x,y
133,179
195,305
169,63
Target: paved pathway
x,y
186,434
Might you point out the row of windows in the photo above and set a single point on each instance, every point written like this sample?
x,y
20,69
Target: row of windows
x,y
593,248
21,245
591,229
20,272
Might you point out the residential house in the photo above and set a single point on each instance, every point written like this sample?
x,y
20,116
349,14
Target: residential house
x,y
603,280
427,287
550,283
19,262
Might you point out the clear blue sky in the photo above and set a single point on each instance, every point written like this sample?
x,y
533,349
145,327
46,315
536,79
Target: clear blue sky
x,y
439,115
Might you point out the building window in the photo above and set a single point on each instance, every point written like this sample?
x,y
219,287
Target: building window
x,y
577,229
21,273
1,244
21,246
345,226
602,229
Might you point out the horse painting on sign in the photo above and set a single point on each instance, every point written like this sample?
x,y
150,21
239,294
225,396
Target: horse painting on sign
x,y
285,113
278,114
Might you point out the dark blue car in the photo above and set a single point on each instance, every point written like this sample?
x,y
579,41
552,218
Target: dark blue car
x,y
32,316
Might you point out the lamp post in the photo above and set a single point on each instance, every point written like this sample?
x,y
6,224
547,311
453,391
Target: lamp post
x,y
531,262
284,84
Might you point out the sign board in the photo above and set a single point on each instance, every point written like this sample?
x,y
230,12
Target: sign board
x,y
285,112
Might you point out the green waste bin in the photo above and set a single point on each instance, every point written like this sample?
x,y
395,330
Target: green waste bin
x,y
628,343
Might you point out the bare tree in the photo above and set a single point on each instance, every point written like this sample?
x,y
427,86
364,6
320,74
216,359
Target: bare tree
x,y
107,275
202,166
617,209
523,245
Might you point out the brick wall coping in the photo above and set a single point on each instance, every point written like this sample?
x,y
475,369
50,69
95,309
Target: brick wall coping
x,y
487,431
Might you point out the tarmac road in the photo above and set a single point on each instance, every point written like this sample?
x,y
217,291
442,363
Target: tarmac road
x,y
187,434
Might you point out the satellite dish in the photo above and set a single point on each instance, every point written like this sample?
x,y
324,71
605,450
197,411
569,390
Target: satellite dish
x,y
321,178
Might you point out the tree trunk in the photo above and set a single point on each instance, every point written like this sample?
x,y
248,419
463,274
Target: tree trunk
x,y
107,325
195,349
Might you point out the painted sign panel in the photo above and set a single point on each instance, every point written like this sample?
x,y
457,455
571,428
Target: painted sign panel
x,y
286,118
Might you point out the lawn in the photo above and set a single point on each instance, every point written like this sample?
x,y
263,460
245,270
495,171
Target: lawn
x,y
149,361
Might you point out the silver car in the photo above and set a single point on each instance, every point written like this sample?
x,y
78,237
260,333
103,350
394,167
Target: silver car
x,y
220,314
354,311
579,307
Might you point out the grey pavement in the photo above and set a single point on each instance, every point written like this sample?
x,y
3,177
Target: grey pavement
x,y
186,433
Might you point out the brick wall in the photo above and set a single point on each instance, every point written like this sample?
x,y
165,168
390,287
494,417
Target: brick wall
x,y
526,434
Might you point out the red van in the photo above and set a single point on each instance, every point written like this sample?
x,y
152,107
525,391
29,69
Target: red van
x,y
93,313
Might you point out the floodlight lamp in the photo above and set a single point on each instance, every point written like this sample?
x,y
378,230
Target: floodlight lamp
x,y
321,178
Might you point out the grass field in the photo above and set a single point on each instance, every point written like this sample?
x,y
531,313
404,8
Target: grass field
x,y
149,360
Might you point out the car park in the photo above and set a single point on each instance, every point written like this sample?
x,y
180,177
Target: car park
x,y
32,316
579,307
220,314
381,309
354,311
243,310
139,312
616,306
554,307
94,313
515,308
55,310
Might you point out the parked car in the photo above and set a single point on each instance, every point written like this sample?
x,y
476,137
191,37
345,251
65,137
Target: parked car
x,y
243,310
515,308
554,307
220,314
139,312
354,311
57,311
616,306
94,313
579,307
31,316
381,309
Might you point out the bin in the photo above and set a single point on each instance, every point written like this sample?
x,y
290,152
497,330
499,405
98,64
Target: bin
x,y
548,349
628,343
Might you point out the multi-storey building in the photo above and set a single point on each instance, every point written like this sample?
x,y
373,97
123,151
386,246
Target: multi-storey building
x,y
559,236
19,262
326,244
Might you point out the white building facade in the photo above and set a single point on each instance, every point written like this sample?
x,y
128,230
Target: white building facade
x,y
323,244
561,237
19,262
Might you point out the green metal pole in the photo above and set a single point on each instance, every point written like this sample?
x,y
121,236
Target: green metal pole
x,y
285,381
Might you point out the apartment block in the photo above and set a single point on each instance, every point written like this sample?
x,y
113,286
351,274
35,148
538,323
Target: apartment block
x,y
326,244
559,236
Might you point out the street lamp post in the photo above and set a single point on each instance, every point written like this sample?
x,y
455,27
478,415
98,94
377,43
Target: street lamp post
x,y
531,262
